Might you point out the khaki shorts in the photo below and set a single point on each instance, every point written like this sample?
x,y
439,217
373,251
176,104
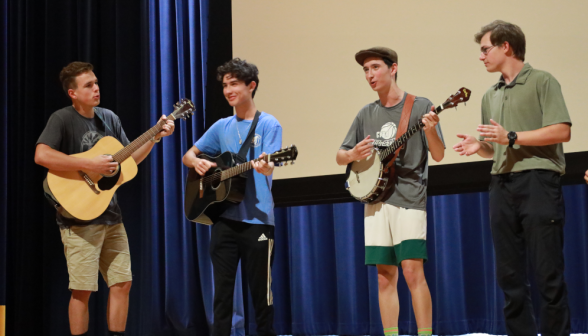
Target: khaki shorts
x,y
90,248
394,234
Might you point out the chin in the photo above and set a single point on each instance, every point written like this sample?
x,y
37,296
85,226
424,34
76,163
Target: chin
x,y
491,69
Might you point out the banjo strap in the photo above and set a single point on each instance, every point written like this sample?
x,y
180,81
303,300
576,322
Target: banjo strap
x,y
403,126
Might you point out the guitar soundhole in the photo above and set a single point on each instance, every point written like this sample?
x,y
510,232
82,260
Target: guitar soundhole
x,y
108,182
216,182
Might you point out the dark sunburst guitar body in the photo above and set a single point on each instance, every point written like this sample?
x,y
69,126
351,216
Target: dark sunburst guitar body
x,y
216,196
207,197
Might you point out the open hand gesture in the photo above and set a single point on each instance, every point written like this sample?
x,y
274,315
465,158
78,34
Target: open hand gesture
x,y
468,146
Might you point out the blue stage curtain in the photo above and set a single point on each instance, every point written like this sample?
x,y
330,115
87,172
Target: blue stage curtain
x,y
321,285
176,262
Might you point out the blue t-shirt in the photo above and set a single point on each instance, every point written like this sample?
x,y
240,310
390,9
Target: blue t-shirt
x,y
257,206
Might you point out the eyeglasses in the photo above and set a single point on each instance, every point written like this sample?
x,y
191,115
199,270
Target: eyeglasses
x,y
486,50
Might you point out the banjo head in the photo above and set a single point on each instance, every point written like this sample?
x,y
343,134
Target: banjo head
x,y
364,175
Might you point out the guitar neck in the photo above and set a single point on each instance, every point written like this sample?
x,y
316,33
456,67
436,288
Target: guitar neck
x,y
239,169
389,151
124,153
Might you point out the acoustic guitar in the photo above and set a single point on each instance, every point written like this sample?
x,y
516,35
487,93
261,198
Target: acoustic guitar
x,y
371,180
86,195
207,197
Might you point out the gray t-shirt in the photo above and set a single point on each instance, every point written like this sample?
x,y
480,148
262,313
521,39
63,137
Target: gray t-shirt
x,y
381,123
69,132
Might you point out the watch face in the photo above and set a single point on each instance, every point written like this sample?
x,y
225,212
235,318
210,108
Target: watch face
x,y
512,135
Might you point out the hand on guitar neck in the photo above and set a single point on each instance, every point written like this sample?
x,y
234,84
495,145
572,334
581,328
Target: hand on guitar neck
x,y
262,166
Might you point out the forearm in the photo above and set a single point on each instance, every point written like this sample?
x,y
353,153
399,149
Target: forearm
x,y
545,136
486,150
344,157
190,157
140,154
436,146
55,160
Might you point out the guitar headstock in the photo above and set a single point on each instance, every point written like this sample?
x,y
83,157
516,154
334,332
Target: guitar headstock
x,y
462,96
183,109
284,155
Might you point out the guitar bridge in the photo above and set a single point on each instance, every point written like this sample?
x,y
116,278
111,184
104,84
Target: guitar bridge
x,y
89,182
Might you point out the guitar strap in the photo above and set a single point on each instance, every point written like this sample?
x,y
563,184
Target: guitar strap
x,y
402,126
104,123
248,141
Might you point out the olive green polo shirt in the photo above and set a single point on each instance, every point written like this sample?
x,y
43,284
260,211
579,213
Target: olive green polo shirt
x,y
532,101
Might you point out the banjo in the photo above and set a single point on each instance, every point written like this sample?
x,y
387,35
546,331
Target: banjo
x,y
371,180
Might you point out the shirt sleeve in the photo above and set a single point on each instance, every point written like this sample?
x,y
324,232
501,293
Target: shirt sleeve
x,y
553,105
53,133
119,131
437,128
353,135
272,140
209,143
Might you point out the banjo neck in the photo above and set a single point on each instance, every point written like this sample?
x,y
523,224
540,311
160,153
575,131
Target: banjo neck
x,y
398,143
462,96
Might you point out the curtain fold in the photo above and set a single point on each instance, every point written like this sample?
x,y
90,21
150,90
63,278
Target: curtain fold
x,y
147,55
321,285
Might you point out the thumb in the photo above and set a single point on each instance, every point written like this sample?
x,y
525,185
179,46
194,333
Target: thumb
x,y
463,136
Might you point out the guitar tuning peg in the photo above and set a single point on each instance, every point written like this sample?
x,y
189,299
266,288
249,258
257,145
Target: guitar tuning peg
x,y
286,163
465,104
292,162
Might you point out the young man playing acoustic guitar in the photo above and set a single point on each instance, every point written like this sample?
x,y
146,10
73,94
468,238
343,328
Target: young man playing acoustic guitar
x,y
246,230
396,229
524,123
101,243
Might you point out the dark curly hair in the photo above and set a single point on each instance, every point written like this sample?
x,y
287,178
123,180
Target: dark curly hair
x,y
240,69
502,31
68,74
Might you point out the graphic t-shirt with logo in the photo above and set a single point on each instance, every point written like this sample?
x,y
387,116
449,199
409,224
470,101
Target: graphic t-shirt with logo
x,y
381,123
69,132
257,206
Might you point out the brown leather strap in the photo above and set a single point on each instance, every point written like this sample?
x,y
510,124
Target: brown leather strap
x,y
403,125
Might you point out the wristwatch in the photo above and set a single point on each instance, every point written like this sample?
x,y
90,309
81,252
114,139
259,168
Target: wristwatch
x,y
512,137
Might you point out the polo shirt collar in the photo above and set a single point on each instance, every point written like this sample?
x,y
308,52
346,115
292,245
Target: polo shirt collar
x,y
520,79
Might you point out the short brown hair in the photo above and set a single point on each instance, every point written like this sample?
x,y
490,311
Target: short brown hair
x,y
501,32
68,75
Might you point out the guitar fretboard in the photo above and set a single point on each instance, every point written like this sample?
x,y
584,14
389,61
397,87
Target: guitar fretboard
x,y
404,138
124,153
239,169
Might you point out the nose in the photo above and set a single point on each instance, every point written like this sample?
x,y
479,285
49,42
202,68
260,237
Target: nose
x,y
482,56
